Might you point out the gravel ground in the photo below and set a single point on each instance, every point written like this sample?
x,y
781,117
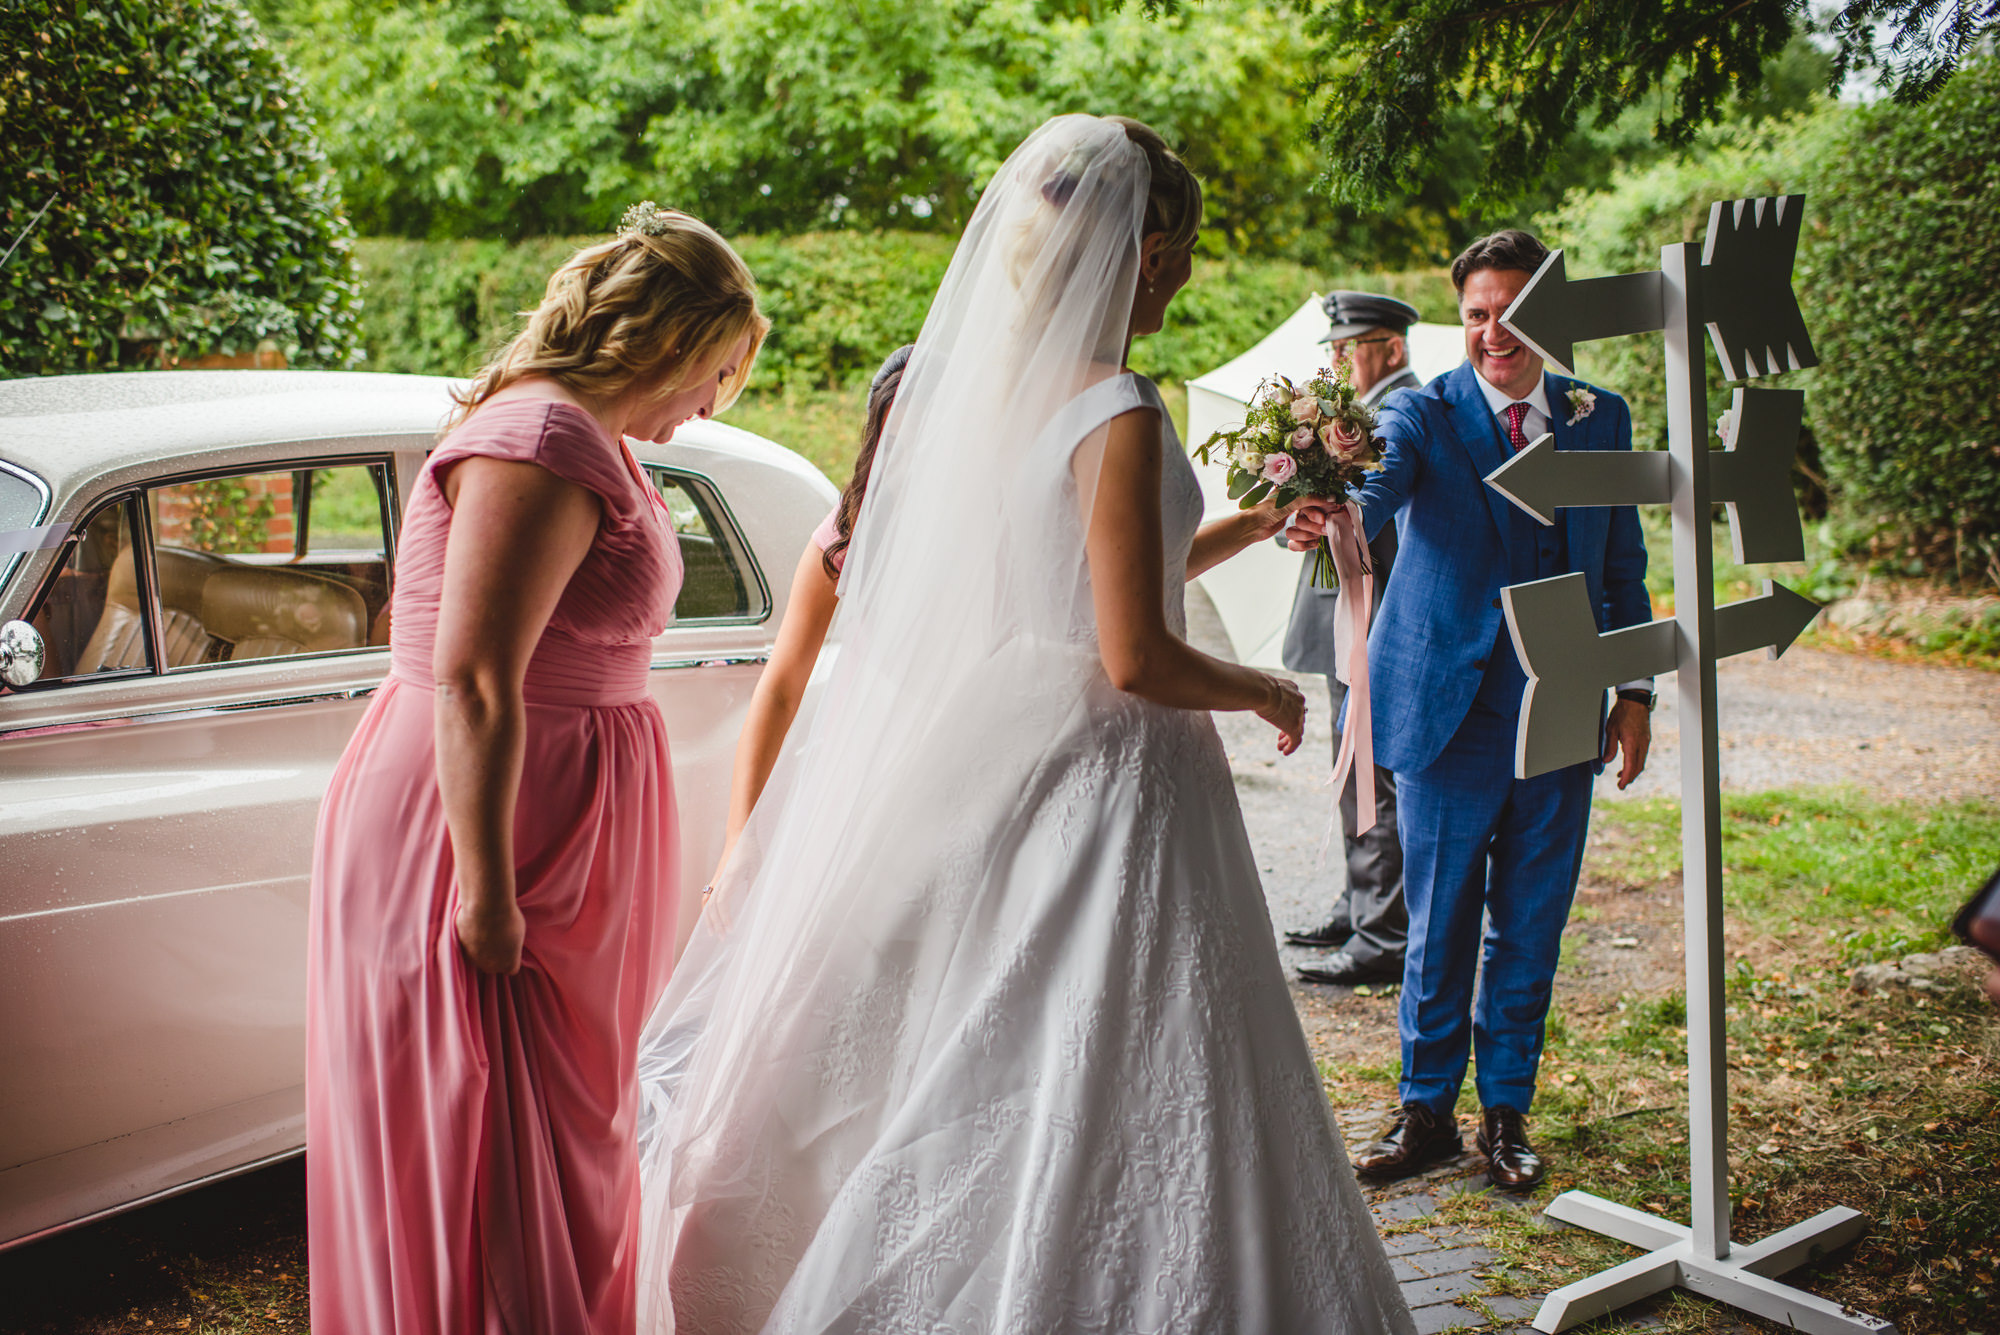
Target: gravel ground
x,y
1896,730
234,1253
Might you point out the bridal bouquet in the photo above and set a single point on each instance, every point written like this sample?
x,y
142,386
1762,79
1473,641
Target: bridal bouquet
x,y
1313,439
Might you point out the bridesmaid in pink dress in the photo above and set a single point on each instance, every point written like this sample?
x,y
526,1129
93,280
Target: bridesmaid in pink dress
x,y
494,884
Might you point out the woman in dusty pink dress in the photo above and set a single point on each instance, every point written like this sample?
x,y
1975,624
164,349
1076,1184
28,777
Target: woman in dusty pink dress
x,y
494,885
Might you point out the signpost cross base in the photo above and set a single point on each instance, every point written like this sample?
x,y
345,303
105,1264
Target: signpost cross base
x,y
1743,1279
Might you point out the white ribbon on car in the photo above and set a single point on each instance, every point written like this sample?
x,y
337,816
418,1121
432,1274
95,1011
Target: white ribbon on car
x,y
32,539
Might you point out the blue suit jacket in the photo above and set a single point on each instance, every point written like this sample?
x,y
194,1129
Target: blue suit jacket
x,y
1441,615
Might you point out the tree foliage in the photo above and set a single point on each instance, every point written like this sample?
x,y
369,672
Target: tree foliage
x,y
1896,273
509,118
839,302
162,190
1390,73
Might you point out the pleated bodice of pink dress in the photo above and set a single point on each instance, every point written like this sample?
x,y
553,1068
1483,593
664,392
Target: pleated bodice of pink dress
x,y
469,1139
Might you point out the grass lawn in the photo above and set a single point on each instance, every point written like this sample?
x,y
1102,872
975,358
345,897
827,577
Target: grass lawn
x,y
1889,1103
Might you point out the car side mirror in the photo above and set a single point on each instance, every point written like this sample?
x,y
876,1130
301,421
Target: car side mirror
x,y
22,655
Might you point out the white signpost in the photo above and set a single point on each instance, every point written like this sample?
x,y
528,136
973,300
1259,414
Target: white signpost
x,y
1737,287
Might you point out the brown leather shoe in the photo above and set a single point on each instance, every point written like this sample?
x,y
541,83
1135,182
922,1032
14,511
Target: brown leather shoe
x,y
1511,1162
1417,1139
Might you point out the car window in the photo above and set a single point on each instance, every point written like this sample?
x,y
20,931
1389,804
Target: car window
x,y
20,501
92,618
720,581
270,565
21,504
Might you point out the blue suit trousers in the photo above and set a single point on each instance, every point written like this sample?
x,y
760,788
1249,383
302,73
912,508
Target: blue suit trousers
x,y
1479,844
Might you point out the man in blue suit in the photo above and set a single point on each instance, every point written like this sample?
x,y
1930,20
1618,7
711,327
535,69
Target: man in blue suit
x,y
1479,845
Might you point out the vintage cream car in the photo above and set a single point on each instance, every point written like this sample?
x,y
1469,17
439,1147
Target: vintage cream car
x,y
194,572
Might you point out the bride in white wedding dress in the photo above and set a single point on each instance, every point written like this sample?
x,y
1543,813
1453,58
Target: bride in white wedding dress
x,y
984,1028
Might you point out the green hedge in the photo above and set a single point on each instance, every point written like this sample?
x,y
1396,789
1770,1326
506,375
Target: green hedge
x,y
1904,281
163,192
838,301
1898,273
1622,230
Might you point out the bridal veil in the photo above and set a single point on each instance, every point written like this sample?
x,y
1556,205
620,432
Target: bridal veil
x,y
983,1027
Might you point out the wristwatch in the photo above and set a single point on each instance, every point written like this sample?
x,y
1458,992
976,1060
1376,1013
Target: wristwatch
x,y
1639,697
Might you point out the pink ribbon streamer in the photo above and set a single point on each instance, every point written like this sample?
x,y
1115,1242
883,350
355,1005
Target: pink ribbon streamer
x,y
1357,739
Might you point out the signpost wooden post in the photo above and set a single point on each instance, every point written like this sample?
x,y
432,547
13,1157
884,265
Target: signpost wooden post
x,y
1738,289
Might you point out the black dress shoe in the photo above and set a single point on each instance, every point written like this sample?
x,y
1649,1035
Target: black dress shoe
x,y
1417,1139
1330,937
1340,969
1511,1162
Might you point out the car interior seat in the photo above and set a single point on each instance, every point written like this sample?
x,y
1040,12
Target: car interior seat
x,y
272,612
119,641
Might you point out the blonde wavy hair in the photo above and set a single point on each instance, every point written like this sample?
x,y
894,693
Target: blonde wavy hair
x,y
1173,209
1173,199
662,303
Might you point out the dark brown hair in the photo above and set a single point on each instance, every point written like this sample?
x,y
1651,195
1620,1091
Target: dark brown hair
x,y
1510,249
881,397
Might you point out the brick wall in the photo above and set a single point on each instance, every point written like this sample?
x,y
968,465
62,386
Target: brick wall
x,y
178,511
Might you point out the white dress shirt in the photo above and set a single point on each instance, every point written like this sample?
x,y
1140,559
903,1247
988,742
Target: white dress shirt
x,y
1537,420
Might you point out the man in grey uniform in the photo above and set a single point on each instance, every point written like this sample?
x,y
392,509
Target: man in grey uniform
x,y
1369,926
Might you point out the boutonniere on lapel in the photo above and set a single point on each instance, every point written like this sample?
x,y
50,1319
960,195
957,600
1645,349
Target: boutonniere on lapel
x,y
1582,403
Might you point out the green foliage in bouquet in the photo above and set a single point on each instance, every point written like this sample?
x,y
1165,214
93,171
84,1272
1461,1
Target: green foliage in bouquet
x,y
162,192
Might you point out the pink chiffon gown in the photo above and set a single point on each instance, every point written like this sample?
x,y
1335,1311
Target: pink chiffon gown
x,y
470,1161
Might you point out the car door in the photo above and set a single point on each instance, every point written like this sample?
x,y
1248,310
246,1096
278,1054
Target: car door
x,y
707,663
211,643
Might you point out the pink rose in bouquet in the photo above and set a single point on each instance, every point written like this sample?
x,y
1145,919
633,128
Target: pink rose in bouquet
x,y
1344,438
1305,408
1280,468
1302,438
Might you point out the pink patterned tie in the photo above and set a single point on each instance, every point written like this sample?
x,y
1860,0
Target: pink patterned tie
x,y
1516,414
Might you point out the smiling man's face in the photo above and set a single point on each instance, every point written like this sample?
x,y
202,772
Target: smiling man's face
x,y
1503,361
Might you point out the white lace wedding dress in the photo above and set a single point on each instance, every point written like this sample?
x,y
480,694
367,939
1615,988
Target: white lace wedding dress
x,y
983,1030
1071,1094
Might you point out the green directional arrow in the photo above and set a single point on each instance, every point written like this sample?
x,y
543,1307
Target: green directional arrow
x,y
1569,667
1772,620
1552,314
1541,479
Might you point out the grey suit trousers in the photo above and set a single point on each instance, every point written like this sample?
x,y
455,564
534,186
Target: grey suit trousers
x,y
1371,907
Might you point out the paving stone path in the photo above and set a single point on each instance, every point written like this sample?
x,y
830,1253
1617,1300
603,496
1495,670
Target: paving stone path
x,y
1447,1271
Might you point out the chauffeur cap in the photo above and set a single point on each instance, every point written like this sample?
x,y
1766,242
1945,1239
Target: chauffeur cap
x,y
1352,313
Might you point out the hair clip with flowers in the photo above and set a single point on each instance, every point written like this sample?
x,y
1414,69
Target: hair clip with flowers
x,y
647,219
